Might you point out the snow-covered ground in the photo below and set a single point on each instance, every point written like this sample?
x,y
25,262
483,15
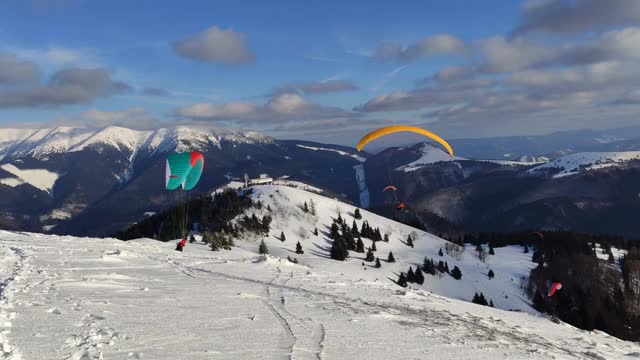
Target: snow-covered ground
x,y
343,153
431,155
585,161
509,264
81,298
39,178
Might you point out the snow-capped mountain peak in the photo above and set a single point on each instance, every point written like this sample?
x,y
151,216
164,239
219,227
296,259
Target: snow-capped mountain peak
x,y
40,143
430,155
585,161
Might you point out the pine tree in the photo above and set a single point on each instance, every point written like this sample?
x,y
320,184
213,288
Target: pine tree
x,y
482,300
339,220
390,258
299,249
419,277
338,250
373,246
456,273
312,208
213,244
411,277
402,280
354,229
386,238
315,231
491,303
357,215
476,298
446,267
359,246
282,238
192,238
370,257
378,265
538,302
491,251
526,249
491,275
263,248
440,266
269,208
440,252
305,207
410,241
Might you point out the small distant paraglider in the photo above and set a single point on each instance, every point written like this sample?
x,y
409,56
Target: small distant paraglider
x,y
554,287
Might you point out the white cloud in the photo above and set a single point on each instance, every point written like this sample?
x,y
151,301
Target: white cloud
x,y
215,45
427,47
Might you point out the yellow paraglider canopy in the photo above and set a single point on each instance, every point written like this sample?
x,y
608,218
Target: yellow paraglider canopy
x,y
397,128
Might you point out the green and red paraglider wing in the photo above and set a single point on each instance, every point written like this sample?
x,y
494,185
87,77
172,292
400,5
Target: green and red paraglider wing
x,y
183,169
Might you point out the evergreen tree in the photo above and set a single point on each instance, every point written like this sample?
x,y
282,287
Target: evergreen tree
x,y
354,229
192,238
299,249
446,267
334,232
373,246
538,302
378,265
390,258
482,300
305,207
440,252
402,280
357,215
491,251
312,208
213,244
359,246
263,248
476,298
315,231
338,250
386,238
491,275
440,266
269,208
410,241
411,277
339,220
419,277
282,238
491,303
370,257
456,273
526,249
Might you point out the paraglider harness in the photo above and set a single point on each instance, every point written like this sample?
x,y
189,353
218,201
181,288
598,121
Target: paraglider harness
x,y
181,245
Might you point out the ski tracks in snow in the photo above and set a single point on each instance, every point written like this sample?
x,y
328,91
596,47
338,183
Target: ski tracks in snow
x,y
7,288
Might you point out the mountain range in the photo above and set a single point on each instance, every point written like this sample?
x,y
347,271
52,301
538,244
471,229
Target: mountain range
x,y
94,182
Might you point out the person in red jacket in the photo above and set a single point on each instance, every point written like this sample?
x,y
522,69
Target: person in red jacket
x,y
181,245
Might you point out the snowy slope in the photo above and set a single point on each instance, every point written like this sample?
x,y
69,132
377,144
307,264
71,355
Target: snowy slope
x,y
40,143
573,164
344,153
39,178
80,298
509,264
431,155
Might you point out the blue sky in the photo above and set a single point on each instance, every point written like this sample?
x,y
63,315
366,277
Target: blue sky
x,y
325,71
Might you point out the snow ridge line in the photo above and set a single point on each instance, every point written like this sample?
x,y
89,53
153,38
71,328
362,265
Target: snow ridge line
x,y
8,351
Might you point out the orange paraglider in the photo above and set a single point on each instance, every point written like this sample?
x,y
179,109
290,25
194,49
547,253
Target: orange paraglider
x,y
398,128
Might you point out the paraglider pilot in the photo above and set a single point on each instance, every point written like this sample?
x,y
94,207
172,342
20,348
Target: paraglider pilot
x,y
181,245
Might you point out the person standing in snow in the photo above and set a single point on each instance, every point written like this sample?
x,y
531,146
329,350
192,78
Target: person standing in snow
x,y
181,245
